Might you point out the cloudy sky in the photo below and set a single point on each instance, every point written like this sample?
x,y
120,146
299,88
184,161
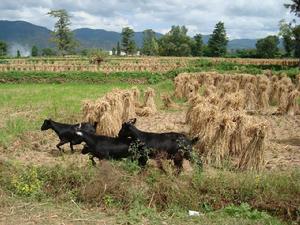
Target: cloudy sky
x,y
242,18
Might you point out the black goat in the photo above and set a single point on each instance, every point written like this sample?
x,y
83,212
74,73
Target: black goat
x,y
171,145
103,147
66,132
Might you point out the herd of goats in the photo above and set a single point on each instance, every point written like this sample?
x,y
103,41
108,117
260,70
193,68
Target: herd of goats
x,y
130,143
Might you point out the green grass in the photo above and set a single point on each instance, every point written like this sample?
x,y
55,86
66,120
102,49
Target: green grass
x,y
23,107
155,197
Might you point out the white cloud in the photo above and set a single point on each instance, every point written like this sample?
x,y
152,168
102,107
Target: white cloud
x,y
242,18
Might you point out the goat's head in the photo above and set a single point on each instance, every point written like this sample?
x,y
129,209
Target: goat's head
x,y
87,127
46,125
127,129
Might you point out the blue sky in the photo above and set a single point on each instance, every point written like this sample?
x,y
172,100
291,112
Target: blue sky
x,y
242,18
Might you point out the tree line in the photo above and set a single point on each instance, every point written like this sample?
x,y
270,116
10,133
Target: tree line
x,y
176,42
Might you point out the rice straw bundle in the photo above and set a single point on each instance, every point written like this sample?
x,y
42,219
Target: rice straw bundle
x,y
88,110
149,100
253,155
234,101
129,107
218,80
209,90
136,96
298,82
250,95
168,102
237,138
283,99
116,105
274,93
219,148
293,107
263,96
234,86
193,102
144,112
107,125
285,81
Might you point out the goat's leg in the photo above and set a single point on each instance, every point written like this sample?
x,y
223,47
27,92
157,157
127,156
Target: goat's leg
x,y
178,161
71,146
142,161
93,161
160,165
62,142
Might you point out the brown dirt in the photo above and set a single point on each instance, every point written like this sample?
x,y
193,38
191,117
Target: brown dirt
x,y
282,143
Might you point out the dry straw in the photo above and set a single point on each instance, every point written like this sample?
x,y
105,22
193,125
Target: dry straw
x,y
219,148
149,100
252,156
129,106
263,96
168,102
107,125
234,101
250,96
237,138
293,107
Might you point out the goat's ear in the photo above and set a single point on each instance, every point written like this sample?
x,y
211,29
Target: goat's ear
x,y
132,121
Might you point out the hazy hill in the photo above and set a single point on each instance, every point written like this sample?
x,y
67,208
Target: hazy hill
x,y
21,34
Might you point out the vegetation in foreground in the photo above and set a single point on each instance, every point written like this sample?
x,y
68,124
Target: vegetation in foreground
x,y
128,195
133,196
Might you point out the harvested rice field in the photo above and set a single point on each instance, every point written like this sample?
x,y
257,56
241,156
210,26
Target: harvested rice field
x,y
248,129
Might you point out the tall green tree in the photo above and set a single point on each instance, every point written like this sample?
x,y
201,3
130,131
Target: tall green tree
x,y
3,48
296,32
294,7
150,45
34,51
113,51
267,47
18,53
118,49
197,46
128,44
286,32
176,42
217,43
48,52
62,35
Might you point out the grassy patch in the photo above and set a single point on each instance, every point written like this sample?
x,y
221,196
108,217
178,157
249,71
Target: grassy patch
x,y
114,186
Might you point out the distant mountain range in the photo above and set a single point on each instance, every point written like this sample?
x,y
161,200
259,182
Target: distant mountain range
x,y
21,34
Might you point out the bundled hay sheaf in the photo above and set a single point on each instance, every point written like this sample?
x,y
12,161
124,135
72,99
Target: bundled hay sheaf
x,y
107,125
237,138
149,100
250,93
263,96
168,102
129,106
283,99
252,156
293,107
116,107
234,101
219,147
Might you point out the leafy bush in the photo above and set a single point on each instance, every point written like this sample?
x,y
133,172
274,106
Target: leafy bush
x,y
28,183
